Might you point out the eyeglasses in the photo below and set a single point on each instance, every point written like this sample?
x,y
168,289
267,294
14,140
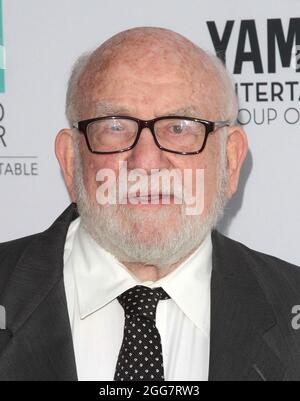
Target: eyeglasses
x,y
117,134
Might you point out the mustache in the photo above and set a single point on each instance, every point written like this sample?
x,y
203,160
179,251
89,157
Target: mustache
x,y
164,185
150,192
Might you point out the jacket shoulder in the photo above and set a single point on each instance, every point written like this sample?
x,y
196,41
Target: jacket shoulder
x,y
273,274
10,253
242,250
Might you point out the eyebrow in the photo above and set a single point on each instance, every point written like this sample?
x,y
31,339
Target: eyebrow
x,y
106,108
184,111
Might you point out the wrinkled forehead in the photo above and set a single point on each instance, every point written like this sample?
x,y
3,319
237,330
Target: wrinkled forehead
x,y
149,61
151,55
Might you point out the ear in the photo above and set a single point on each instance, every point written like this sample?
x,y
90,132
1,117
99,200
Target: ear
x,y
237,148
64,150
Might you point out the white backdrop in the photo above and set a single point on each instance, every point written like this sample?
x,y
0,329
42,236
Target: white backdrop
x,y
43,38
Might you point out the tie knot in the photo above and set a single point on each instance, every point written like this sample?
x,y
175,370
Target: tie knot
x,y
142,301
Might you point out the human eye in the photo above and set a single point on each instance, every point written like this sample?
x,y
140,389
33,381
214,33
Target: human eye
x,y
115,126
178,128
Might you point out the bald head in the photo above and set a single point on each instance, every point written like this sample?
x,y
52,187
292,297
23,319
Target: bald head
x,y
150,54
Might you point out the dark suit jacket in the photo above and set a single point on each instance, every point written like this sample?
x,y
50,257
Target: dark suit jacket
x,y
252,296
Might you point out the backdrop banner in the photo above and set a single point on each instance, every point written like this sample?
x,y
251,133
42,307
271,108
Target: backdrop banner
x,y
260,43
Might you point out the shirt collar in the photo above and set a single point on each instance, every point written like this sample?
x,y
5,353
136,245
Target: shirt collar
x,y
100,278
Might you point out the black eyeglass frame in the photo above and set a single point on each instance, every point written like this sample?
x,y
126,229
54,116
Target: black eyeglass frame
x,y
210,127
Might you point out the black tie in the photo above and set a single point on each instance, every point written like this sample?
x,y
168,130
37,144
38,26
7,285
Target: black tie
x,y
140,356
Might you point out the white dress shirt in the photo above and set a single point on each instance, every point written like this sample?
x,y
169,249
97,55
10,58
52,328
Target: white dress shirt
x,y
94,279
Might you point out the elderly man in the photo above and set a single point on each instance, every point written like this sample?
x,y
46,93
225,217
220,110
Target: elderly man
x,y
142,287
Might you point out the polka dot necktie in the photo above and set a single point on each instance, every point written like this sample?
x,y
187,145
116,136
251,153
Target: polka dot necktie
x,y
140,356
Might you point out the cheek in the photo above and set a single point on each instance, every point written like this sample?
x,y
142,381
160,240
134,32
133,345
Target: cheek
x,y
92,164
212,163
208,163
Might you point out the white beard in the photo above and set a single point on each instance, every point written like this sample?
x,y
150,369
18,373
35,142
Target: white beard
x,y
135,235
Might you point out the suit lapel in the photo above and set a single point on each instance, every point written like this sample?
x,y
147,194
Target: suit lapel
x,y
40,346
240,319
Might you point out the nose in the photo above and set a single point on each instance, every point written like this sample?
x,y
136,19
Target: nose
x,y
146,154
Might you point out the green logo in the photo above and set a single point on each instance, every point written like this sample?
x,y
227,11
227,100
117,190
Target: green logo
x,y
2,53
